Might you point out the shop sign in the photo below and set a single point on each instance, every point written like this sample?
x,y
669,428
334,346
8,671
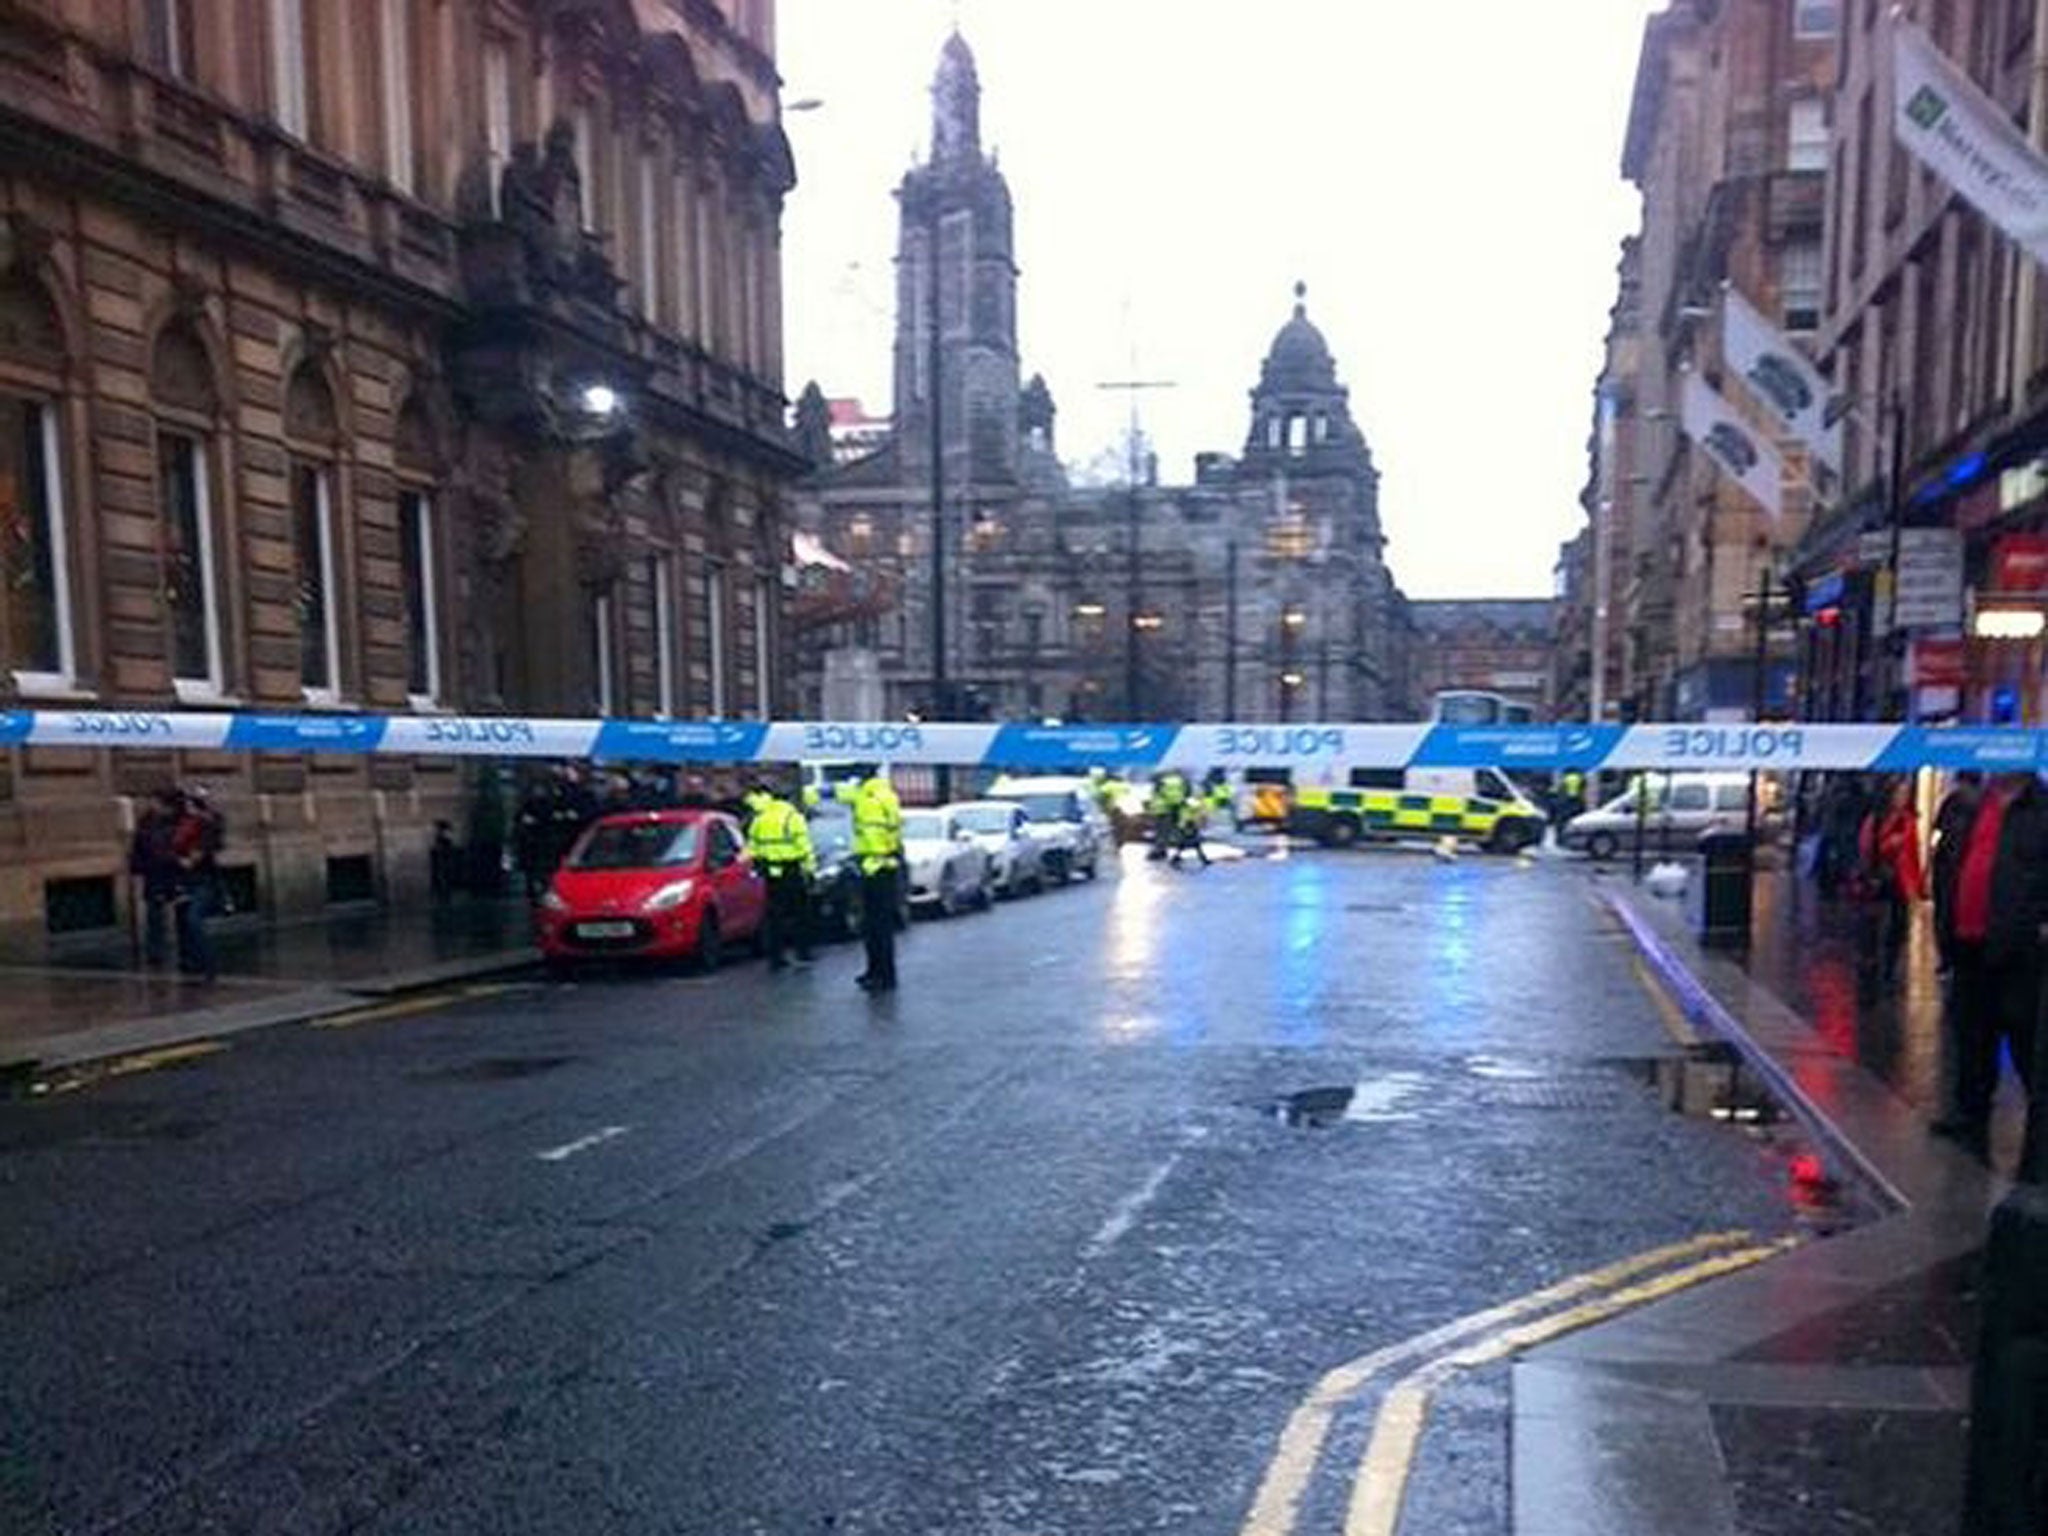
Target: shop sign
x,y
2019,563
1939,661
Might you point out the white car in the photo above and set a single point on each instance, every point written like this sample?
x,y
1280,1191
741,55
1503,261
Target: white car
x,y
1003,830
948,869
1062,815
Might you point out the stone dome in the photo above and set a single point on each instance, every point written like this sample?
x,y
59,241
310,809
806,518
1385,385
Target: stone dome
x,y
1299,358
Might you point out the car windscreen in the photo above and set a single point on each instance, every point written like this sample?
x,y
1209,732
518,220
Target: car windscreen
x,y
638,845
923,826
831,835
1047,807
985,818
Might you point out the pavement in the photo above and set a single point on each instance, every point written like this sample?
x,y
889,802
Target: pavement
x,y
1826,1392
101,1002
1189,1201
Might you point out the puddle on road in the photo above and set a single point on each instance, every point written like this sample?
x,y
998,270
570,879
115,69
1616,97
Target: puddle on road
x,y
492,1069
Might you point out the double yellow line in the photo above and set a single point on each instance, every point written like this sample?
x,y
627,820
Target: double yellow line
x,y
1426,1361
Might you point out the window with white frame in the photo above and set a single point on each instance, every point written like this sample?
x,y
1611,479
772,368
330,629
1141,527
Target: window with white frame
x,y
35,558
1816,18
661,577
191,582
497,113
395,59
764,670
1806,135
585,123
416,568
1799,283
714,634
647,232
684,255
313,549
288,65
601,650
171,41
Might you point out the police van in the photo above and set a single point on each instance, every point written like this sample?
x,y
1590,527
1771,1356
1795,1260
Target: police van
x,y
1474,805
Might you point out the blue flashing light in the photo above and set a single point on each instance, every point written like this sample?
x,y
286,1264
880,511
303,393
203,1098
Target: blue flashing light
x,y
1966,469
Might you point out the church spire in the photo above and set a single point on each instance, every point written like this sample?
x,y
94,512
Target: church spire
x,y
956,105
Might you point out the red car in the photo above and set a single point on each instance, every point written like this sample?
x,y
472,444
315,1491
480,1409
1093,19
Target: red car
x,y
658,884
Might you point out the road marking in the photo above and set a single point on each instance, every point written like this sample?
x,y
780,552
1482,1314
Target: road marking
x,y
1301,1440
1676,1025
569,1149
409,1006
87,1074
1382,1482
1127,1210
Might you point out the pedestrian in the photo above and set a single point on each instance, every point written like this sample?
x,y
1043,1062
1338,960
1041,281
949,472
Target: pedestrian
x,y
1888,847
1169,794
696,794
193,844
151,861
878,848
1187,831
1997,903
1843,807
1951,823
444,864
779,839
533,837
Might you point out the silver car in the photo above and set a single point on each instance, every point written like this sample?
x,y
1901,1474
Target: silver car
x,y
1061,814
1015,855
948,869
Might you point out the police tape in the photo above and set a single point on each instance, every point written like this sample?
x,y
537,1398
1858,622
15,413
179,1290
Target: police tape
x,y
1309,750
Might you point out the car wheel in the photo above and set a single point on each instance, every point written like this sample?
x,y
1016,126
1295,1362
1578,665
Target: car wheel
x,y
1509,836
1601,846
985,898
949,894
710,946
1341,832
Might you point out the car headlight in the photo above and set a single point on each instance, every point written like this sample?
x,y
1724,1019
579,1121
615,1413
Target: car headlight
x,y
669,897
552,902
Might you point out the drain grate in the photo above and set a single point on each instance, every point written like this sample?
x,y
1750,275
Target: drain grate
x,y
1580,1094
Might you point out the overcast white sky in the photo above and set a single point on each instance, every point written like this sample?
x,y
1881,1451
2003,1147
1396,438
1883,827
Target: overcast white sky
x,y
1445,177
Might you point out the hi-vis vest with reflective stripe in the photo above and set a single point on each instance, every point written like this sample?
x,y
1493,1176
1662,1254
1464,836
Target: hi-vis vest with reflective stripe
x,y
778,836
1397,811
877,826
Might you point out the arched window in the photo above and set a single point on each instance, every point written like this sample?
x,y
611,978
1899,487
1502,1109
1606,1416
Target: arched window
x,y
187,411
311,426
37,633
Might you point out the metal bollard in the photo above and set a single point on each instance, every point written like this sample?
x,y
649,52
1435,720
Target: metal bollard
x,y
2006,1487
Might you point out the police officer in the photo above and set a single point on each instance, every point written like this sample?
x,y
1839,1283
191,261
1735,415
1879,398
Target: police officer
x,y
1169,797
780,841
878,849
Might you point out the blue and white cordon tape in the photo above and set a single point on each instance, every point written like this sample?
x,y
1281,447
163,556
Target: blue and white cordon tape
x,y
1310,750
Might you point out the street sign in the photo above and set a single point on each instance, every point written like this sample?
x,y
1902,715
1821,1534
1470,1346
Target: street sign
x,y
1930,575
1939,661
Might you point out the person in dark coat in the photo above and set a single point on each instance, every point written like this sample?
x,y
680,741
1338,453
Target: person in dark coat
x,y
1951,821
151,861
1996,904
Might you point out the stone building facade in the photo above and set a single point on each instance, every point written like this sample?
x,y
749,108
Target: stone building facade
x,y
1727,141
1936,326
1259,590
374,355
1498,645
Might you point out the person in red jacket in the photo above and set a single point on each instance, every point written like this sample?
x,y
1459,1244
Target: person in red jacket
x,y
1892,871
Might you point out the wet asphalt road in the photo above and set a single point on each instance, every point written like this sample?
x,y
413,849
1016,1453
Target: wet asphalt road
x,y
1019,1250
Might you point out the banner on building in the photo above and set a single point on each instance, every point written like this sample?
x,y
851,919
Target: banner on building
x,y
1779,377
1951,126
1733,444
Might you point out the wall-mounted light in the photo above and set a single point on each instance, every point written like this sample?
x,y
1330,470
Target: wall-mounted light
x,y
600,399
2008,623
1088,610
1292,679
1148,621
1294,618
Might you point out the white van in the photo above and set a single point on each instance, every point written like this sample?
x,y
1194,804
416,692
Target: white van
x,y
1677,808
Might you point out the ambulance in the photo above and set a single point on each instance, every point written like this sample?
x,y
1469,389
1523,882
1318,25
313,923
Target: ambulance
x,y
1473,805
